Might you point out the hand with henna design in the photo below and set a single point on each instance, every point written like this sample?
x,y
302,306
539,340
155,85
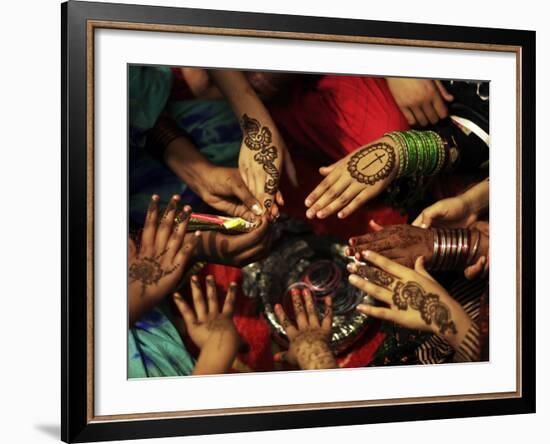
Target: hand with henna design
x,y
263,151
352,181
309,346
212,330
411,298
401,243
155,269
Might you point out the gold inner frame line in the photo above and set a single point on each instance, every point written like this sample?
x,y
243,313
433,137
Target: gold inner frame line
x,y
92,25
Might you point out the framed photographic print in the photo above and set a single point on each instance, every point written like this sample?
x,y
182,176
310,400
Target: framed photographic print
x,y
275,221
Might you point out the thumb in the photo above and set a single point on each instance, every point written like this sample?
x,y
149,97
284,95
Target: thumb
x,y
443,91
420,268
375,226
325,171
245,196
425,219
285,357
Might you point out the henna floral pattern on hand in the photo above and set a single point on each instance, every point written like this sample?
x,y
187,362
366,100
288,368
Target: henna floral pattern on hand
x,y
259,138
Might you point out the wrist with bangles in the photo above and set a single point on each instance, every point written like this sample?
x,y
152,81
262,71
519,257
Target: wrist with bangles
x,y
454,248
421,153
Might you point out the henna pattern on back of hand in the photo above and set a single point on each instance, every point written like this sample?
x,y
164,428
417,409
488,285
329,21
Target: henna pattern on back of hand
x,y
375,275
258,138
372,164
148,271
431,309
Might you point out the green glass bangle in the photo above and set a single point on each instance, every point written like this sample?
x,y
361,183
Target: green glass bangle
x,y
421,153
442,159
412,154
401,150
433,153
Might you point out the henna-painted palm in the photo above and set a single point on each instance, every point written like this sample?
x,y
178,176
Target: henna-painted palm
x,y
155,269
310,338
357,178
206,319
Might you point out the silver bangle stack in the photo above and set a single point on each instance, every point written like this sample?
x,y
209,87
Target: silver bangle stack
x,y
454,248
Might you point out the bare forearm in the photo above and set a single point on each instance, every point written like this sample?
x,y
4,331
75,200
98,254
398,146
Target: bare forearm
x,y
185,160
477,197
242,98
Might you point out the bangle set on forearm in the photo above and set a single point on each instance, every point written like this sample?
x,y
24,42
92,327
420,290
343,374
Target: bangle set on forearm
x,y
454,248
421,153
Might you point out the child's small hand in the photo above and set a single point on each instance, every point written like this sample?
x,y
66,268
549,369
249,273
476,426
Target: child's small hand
x,y
309,339
205,322
211,330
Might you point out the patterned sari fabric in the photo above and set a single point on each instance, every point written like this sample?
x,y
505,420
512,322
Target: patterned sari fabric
x,y
155,348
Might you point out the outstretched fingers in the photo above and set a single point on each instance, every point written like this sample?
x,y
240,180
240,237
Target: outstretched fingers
x,y
178,233
287,325
186,313
230,297
166,223
150,227
326,323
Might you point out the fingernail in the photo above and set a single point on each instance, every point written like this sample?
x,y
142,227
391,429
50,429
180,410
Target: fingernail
x,y
341,215
361,307
155,197
320,214
350,267
308,202
366,254
310,214
194,278
423,226
353,278
257,210
177,295
197,233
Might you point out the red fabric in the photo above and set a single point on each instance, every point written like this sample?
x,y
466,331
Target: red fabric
x,y
337,114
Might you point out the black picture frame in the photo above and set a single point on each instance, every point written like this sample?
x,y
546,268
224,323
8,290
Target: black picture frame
x,y
76,423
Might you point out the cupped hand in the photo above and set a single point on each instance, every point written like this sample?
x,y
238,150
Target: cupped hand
x,y
354,180
309,338
224,189
421,101
453,212
155,269
401,243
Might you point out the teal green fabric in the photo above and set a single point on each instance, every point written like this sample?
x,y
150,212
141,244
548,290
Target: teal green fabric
x,y
148,92
155,348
